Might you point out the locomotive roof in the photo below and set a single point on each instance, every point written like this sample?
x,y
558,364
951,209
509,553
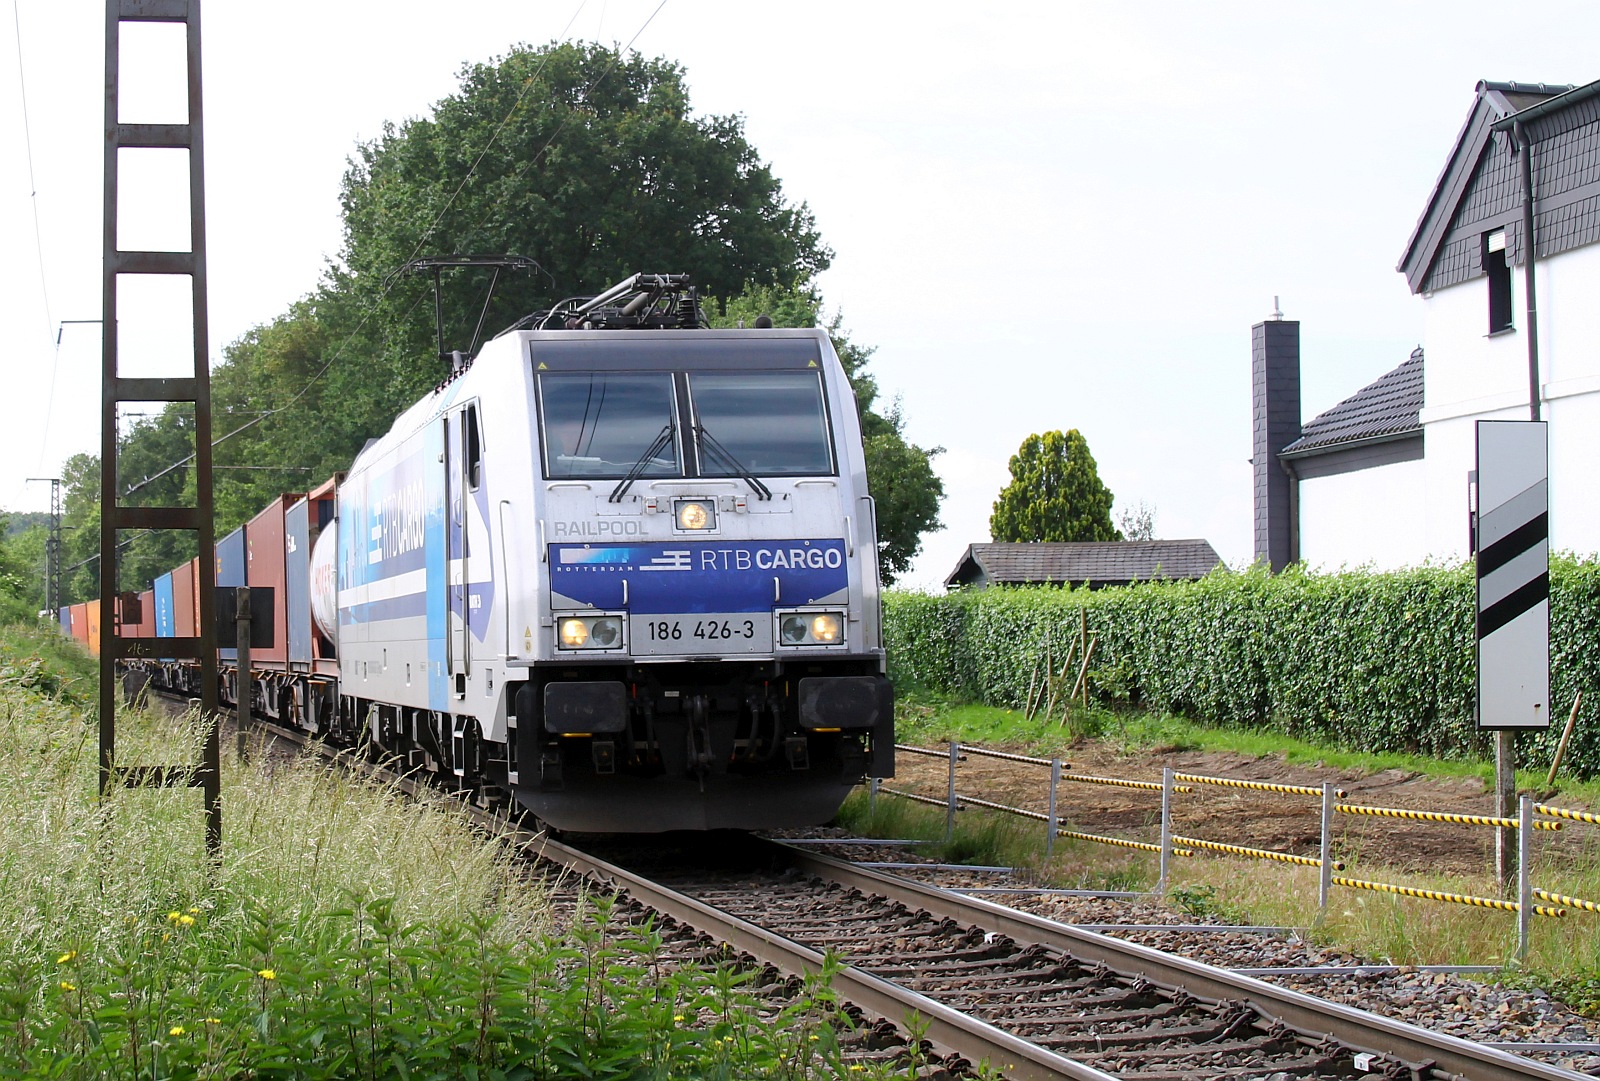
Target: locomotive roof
x,y
570,350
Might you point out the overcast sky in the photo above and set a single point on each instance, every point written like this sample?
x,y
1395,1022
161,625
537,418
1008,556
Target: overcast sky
x,y
1044,216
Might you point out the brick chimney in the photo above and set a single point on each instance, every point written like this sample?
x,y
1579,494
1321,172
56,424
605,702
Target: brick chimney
x,y
1275,396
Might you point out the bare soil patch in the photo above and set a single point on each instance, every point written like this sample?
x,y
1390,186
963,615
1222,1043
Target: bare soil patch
x,y
1283,823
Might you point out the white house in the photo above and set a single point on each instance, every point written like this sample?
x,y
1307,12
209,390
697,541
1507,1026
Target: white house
x,y
1381,477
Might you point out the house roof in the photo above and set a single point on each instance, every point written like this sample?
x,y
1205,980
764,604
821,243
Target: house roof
x,y
1495,102
1085,561
1390,407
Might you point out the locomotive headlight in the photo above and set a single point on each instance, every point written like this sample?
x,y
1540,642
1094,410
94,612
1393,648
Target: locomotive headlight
x,y
589,632
693,515
811,628
825,627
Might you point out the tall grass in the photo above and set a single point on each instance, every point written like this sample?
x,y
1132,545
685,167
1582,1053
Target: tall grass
x,y
343,931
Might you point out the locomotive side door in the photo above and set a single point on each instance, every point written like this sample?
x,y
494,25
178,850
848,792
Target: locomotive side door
x,y
458,431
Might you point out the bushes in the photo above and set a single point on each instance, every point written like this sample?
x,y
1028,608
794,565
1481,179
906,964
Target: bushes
x,y
1369,661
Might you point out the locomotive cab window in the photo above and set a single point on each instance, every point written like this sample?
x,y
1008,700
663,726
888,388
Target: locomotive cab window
x,y
607,424
772,423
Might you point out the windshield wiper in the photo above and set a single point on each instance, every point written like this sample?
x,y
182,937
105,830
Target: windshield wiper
x,y
642,464
726,460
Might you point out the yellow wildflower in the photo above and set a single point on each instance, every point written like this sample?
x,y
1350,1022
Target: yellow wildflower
x,y
187,921
213,1020
70,955
65,986
172,917
194,912
268,974
175,1030
677,1017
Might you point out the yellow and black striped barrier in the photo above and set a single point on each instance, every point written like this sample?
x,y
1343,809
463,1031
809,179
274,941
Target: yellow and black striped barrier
x,y
1565,901
1259,786
1142,846
1451,898
1567,813
1254,853
915,797
1439,816
1118,782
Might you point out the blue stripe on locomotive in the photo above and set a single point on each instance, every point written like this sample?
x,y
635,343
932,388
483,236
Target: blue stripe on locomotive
x,y
396,527
438,568
699,576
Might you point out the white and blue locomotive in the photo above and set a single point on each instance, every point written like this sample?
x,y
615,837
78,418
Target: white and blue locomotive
x,y
625,577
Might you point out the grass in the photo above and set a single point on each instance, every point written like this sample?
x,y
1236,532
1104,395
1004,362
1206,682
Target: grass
x,y
926,717
343,931
1564,954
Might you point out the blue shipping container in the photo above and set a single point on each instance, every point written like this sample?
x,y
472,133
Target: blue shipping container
x,y
297,569
231,571
165,627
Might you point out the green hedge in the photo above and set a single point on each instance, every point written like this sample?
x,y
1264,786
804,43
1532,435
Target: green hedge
x,y
1363,660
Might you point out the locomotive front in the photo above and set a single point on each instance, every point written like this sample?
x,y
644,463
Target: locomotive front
x,y
701,633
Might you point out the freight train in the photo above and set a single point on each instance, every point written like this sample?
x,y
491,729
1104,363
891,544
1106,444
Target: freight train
x,y
619,568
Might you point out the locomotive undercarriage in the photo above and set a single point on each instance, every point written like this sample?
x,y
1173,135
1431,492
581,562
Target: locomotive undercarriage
x,y
652,747
623,748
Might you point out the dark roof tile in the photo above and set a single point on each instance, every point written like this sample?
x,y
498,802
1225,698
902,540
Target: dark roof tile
x,y
1088,561
1392,405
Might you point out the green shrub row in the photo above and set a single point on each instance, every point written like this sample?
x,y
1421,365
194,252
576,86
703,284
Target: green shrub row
x,y
1381,662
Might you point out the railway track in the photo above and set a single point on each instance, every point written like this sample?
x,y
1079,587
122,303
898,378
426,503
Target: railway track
x,y
982,983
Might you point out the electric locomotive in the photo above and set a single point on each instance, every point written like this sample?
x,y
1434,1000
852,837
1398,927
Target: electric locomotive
x,y
620,568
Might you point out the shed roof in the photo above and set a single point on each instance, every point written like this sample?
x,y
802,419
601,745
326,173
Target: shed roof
x,y
1387,408
1085,561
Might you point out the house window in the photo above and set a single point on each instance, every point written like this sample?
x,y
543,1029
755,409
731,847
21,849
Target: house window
x,y
1499,275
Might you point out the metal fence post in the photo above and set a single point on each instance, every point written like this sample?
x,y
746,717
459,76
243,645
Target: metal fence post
x,y
1166,829
1050,820
1524,880
950,794
872,797
1326,870
243,684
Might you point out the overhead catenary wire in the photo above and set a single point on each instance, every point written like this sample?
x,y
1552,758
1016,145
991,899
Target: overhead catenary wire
x,y
38,233
389,282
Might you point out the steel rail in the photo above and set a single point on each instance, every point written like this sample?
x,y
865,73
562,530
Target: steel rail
x,y
955,1033
1362,1031
951,1032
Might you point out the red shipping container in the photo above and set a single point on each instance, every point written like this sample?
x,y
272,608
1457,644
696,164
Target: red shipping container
x,y
185,604
80,623
146,627
264,566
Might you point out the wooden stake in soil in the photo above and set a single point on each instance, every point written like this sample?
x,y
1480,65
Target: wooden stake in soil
x,y
1566,734
1033,683
1083,671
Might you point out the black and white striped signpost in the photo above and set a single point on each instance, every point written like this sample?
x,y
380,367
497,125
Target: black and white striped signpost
x,y
1512,535
1513,560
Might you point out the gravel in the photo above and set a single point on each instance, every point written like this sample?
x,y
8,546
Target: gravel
x,y
1476,1009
